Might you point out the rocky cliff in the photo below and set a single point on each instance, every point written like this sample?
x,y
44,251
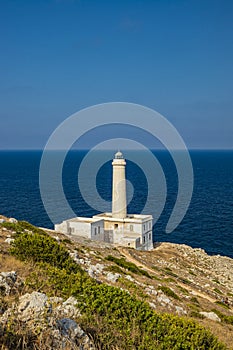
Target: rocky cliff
x,y
58,293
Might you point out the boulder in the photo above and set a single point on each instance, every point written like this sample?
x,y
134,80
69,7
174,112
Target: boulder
x,y
9,240
33,306
211,315
13,220
68,308
56,325
113,277
164,300
95,270
7,282
180,310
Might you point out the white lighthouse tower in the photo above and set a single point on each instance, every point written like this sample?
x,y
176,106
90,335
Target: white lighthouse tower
x,y
119,205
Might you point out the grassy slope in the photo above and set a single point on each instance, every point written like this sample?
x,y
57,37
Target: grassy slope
x,y
113,317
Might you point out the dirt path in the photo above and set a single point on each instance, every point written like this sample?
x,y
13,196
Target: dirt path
x,y
138,263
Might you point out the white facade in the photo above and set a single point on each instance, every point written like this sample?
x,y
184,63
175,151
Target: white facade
x,y
89,228
118,227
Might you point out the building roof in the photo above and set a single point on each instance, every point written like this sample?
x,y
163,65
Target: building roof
x,y
130,218
84,219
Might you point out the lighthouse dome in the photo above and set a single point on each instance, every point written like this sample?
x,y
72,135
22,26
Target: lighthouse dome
x,y
119,155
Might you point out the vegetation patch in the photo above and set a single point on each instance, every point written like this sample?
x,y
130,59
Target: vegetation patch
x,y
183,290
169,292
128,265
115,269
192,273
185,281
222,304
194,300
224,318
170,273
217,291
43,248
196,314
114,318
22,226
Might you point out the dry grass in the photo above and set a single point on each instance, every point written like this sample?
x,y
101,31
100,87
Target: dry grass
x,y
222,331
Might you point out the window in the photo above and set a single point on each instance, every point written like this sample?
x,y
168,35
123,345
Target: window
x,y
128,244
149,224
99,229
95,230
144,239
72,229
150,236
144,227
115,226
131,227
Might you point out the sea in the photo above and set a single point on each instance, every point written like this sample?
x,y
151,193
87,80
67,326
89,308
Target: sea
x,y
207,224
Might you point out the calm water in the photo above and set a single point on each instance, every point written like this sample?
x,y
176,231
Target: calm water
x,y
208,223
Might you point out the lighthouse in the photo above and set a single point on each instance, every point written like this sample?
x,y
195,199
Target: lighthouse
x,y
118,227
119,205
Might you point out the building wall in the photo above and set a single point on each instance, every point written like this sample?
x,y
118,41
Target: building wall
x,y
63,227
82,229
97,230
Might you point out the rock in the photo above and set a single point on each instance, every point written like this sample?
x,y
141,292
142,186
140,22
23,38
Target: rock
x,y
211,315
95,270
74,255
33,306
56,325
130,278
7,282
13,220
9,240
152,305
69,327
2,221
56,300
68,308
150,290
163,299
180,310
71,336
113,277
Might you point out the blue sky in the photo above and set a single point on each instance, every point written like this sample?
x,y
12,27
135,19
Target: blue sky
x,y
59,56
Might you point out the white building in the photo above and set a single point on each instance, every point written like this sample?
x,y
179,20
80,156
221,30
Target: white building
x,y
118,227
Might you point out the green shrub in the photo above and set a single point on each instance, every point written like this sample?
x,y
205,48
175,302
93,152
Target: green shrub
x,y
184,280
169,292
170,273
128,265
115,269
192,273
222,304
217,291
196,314
183,290
43,248
195,300
22,226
